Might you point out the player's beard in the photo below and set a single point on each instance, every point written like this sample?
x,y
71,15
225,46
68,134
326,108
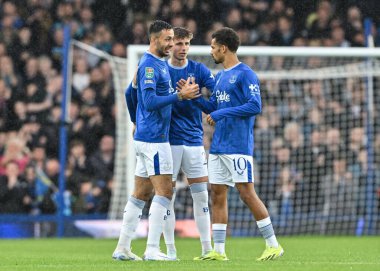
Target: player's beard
x,y
162,50
216,60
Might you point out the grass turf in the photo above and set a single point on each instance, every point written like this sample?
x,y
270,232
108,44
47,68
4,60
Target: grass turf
x,y
301,253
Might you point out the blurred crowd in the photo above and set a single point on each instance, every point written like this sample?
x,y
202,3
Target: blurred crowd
x,y
31,40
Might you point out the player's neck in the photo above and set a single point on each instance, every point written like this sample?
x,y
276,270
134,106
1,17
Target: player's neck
x,y
153,51
177,62
230,61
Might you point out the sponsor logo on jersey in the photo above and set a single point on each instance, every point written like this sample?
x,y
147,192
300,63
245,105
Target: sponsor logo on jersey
x,y
232,79
148,81
222,96
149,72
255,89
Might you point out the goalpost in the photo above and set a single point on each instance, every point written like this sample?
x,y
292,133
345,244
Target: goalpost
x,y
124,151
311,151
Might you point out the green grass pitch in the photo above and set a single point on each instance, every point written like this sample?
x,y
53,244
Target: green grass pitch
x,y
301,253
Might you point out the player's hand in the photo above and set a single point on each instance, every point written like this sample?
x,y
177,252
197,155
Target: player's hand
x,y
180,84
133,129
210,121
190,90
134,80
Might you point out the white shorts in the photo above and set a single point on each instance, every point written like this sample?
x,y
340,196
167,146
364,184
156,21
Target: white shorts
x,y
229,169
191,159
153,159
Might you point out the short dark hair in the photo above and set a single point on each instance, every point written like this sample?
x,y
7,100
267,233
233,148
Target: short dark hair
x,y
182,33
157,26
228,37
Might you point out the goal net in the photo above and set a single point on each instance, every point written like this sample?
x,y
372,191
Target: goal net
x,y
90,57
317,141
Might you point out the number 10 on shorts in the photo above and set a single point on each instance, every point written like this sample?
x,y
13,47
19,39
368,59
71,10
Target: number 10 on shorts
x,y
243,169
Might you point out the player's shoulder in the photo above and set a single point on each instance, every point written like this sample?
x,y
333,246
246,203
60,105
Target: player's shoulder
x,y
150,60
146,61
246,70
196,65
193,62
244,67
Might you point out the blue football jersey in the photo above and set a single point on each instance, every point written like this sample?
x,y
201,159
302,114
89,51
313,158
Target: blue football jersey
x,y
186,123
153,79
237,99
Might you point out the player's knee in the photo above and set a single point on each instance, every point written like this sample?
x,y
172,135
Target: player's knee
x,y
218,199
198,188
143,195
245,196
199,193
167,193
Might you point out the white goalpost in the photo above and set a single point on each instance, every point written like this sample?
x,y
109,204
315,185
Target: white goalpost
x,y
311,144
310,140
123,133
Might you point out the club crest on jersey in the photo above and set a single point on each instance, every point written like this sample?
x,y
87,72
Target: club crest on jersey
x,y
149,72
232,79
190,75
166,166
222,96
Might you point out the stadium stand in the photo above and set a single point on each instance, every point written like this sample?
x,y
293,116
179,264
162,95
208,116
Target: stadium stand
x,y
31,39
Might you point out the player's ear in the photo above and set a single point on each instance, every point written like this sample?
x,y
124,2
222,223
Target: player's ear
x,y
153,37
224,48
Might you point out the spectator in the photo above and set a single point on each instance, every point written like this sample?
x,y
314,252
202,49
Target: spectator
x,y
103,38
21,117
319,22
283,35
14,196
338,37
8,74
30,83
5,95
15,152
32,74
77,159
135,35
341,192
86,17
81,76
45,68
22,47
119,50
354,26
102,161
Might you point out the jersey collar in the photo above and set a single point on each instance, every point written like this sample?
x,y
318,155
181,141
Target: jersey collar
x,y
226,70
156,57
176,67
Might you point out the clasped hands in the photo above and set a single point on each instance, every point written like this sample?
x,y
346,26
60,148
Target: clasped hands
x,y
190,82
188,89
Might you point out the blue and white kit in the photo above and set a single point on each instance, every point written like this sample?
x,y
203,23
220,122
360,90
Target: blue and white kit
x,y
233,106
186,131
